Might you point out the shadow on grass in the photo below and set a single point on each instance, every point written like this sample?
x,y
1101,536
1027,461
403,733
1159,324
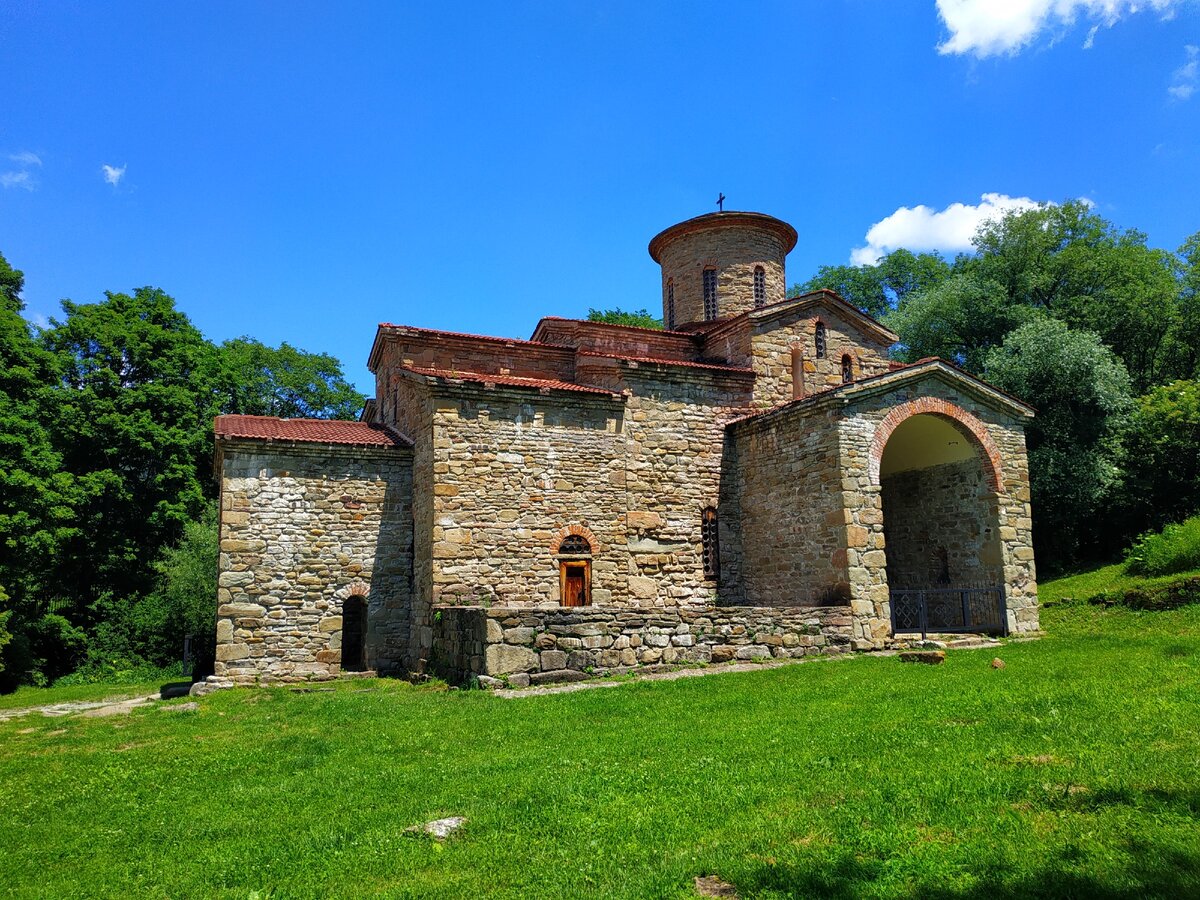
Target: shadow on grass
x,y
173,689
1153,872
1149,869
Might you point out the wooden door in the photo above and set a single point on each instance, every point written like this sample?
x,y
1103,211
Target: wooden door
x,y
573,583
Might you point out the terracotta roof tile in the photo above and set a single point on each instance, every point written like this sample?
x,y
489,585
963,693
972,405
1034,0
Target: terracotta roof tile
x,y
508,380
654,360
316,431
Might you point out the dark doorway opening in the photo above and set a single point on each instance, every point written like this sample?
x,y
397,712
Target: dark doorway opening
x,y
354,634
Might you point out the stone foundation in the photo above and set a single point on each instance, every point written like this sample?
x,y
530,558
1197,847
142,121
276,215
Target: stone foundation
x,y
535,646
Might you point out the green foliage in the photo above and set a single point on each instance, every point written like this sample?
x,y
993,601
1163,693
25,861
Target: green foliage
x,y
879,288
105,463
134,427
1070,773
638,319
1081,392
5,634
1174,549
286,382
1163,468
185,599
961,319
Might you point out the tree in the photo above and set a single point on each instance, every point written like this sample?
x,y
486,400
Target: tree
x,y
1073,264
879,288
284,381
183,601
1081,392
139,387
639,319
1163,452
961,320
37,498
1185,337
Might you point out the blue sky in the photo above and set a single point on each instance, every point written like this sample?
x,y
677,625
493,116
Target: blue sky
x,y
302,172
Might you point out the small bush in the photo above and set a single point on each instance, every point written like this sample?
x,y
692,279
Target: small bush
x,y
1153,598
120,671
1175,549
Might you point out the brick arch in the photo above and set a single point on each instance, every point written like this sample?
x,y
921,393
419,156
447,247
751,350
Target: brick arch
x,y
855,363
353,589
970,425
582,531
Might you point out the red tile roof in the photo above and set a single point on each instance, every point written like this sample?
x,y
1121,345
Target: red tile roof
x,y
315,431
508,380
658,361
591,323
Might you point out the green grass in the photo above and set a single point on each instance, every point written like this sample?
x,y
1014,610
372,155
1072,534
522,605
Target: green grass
x,y
1086,585
1074,771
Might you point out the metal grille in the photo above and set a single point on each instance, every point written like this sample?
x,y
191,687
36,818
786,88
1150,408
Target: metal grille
x,y
973,609
760,287
708,538
819,339
710,293
574,543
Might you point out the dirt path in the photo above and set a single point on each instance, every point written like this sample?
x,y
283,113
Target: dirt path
x,y
111,706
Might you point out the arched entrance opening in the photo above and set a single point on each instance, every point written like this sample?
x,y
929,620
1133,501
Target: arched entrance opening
x,y
938,488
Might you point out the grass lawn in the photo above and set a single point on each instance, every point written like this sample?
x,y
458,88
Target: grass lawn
x,y
1097,581
1074,771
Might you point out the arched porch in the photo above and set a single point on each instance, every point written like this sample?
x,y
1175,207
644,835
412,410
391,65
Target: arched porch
x,y
939,485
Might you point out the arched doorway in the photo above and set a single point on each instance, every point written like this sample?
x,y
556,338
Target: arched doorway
x,y
938,488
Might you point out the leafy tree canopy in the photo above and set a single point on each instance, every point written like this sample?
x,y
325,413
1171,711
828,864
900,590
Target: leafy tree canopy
x,y
1081,392
640,318
879,288
134,426
284,381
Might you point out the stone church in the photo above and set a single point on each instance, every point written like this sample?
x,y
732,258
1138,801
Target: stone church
x,y
755,480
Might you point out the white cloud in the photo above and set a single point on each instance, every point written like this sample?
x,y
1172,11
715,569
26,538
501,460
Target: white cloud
x,y
1184,79
920,228
991,27
22,179
113,174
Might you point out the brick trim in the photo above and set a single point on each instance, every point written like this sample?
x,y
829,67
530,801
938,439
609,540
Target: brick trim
x,y
353,589
970,425
580,530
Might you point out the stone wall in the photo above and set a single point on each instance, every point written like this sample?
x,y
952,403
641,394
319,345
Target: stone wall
x,y
523,645
734,252
771,354
512,470
940,523
304,526
790,548
675,433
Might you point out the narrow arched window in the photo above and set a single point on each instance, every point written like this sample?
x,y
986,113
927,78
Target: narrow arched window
x,y
819,340
847,369
671,304
575,571
710,293
760,287
709,543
